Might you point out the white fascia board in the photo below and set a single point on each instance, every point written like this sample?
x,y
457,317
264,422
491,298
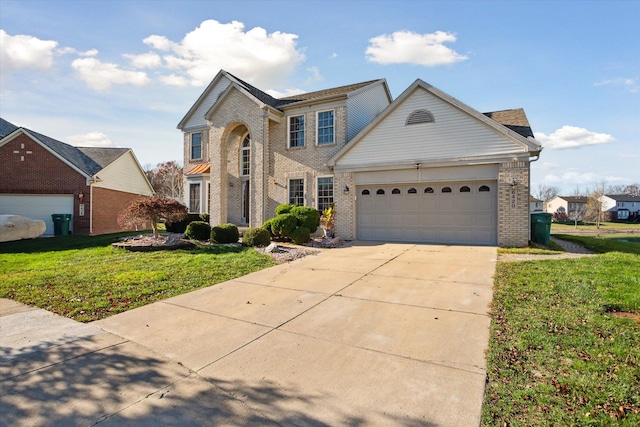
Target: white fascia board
x,y
226,93
405,164
201,98
19,131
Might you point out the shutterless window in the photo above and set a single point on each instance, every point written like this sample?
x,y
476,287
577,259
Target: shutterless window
x,y
196,145
194,197
325,127
296,131
246,156
296,192
325,193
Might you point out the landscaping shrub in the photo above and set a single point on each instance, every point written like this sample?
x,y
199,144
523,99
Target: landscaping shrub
x,y
267,226
283,225
256,237
226,233
301,235
284,208
307,217
198,230
181,226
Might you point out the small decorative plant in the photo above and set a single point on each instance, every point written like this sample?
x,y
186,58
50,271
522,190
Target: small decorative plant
x,y
328,219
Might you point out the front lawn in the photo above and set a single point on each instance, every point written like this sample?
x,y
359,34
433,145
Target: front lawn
x,y
560,352
84,278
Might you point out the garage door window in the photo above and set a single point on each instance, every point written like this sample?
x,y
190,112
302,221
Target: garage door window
x,y
446,189
484,188
412,191
428,190
395,191
365,192
465,189
380,191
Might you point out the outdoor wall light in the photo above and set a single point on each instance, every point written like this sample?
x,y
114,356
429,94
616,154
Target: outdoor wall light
x,y
418,165
514,182
346,189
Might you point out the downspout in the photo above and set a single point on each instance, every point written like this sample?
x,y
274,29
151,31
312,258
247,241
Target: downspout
x,y
265,114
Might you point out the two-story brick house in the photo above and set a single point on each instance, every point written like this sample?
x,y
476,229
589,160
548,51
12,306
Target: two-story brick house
x,y
423,168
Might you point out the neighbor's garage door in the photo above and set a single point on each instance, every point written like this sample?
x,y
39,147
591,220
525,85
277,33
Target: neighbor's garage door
x,y
450,212
40,206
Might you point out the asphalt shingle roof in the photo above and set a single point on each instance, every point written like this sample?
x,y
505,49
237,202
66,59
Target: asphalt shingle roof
x,y
6,128
515,119
623,197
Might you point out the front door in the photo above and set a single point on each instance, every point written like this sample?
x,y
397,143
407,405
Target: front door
x,y
245,202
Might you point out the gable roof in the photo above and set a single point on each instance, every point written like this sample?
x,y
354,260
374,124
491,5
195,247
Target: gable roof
x,y
623,197
6,128
515,119
529,144
574,199
325,93
86,160
533,199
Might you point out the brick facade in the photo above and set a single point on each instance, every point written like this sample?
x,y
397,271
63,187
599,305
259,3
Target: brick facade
x,y
107,206
513,204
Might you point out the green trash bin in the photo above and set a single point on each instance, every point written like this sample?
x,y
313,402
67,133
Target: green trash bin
x,y
541,227
61,224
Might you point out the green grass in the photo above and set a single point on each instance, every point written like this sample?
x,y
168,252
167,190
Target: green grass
x,y
605,227
534,249
84,278
606,243
558,354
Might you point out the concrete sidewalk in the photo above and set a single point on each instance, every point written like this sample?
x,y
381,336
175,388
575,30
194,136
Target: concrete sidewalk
x,y
368,334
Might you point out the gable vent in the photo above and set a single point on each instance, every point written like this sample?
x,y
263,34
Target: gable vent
x,y
420,116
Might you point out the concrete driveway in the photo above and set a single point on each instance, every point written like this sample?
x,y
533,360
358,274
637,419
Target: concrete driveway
x,y
367,334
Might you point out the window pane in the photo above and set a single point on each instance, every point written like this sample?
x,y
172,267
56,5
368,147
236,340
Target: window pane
x,y
196,145
194,198
325,127
246,156
296,131
325,193
296,192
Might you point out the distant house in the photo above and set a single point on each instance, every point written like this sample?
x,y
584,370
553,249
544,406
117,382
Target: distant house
x,y
569,205
424,167
535,205
621,206
42,176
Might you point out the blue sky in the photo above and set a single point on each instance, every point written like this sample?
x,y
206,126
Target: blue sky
x,y
124,73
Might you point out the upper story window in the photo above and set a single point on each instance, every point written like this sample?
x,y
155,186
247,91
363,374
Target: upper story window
x,y
325,131
245,156
196,146
296,131
420,116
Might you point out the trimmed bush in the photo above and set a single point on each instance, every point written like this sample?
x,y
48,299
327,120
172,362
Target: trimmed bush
x,y
198,230
284,208
301,235
267,226
307,217
283,225
256,237
226,233
181,226
212,235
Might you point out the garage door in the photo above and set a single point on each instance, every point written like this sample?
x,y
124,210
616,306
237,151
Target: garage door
x,y
445,212
37,207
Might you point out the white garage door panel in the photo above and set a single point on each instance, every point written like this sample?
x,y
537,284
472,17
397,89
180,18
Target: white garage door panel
x,y
467,217
37,207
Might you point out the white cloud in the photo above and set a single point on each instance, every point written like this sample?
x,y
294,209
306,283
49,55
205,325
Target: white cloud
x,y
287,92
101,75
91,139
631,85
572,178
544,165
23,51
174,80
333,55
70,50
264,59
315,75
406,47
572,137
145,60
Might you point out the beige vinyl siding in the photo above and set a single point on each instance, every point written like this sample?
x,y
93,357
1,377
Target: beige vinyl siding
x,y
197,120
454,134
466,173
124,174
363,106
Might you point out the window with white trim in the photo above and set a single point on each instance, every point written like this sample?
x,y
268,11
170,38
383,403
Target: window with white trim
x,y
296,131
245,156
296,191
194,197
325,193
325,127
196,145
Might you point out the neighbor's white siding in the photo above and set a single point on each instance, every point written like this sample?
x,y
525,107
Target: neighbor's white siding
x,y
454,134
197,120
124,174
363,106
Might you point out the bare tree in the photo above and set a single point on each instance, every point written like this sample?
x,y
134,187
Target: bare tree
x,y
153,209
632,190
546,192
166,179
593,207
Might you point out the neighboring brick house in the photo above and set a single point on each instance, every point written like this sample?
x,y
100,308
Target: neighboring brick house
x,y
42,176
622,207
569,205
422,168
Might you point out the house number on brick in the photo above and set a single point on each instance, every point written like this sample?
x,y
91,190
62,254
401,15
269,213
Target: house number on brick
x,y
20,152
513,197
